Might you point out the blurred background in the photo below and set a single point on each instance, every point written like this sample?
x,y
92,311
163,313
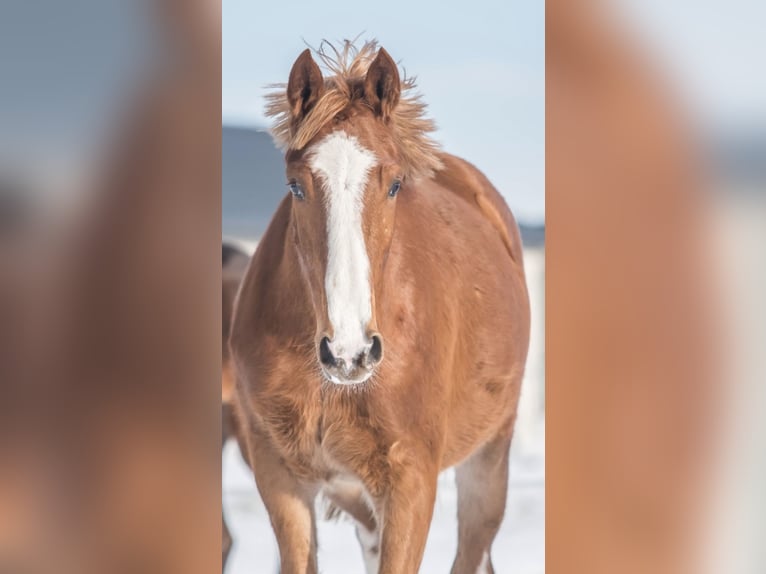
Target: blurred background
x,y
656,230
481,71
707,56
110,286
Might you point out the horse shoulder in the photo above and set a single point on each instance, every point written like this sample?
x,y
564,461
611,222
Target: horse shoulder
x,y
255,302
469,183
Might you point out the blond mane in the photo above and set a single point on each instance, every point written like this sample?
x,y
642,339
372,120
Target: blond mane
x,y
346,67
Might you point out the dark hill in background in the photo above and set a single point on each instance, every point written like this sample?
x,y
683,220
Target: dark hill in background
x,y
254,183
739,157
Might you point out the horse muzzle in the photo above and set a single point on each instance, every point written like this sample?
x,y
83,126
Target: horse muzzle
x,y
350,368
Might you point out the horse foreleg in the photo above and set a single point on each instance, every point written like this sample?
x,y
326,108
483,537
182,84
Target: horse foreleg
x,y
406,518
290,504
350,498
482,484
225,543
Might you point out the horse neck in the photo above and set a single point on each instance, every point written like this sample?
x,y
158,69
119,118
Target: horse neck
x,y
290,287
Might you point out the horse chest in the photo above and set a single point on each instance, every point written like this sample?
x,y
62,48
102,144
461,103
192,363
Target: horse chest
x,y
350,450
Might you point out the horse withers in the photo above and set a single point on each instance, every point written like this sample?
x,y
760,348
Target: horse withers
x,y
382,328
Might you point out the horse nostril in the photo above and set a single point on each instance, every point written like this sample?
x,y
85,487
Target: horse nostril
x,y
376,351
325,354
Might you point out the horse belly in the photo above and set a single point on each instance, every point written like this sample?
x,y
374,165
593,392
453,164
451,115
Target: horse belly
x,y
349,494
483,407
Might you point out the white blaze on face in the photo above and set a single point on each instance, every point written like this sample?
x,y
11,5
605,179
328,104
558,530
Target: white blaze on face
x,y
342,165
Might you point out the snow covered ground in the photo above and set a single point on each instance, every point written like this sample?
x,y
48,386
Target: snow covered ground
x,y
520,545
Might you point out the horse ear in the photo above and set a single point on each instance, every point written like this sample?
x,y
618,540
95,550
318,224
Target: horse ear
x,y
382,86
305,86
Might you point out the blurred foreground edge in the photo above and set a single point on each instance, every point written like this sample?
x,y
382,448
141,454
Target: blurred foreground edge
x,y
630,362
109,452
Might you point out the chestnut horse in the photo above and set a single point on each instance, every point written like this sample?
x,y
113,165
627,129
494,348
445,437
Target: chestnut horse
x,y
234,263
382,328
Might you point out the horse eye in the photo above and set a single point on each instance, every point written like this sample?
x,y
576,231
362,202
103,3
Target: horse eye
x,y
394,189
296,190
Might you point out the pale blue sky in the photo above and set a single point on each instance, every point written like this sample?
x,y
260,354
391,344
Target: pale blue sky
x,y
480,66
711,52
